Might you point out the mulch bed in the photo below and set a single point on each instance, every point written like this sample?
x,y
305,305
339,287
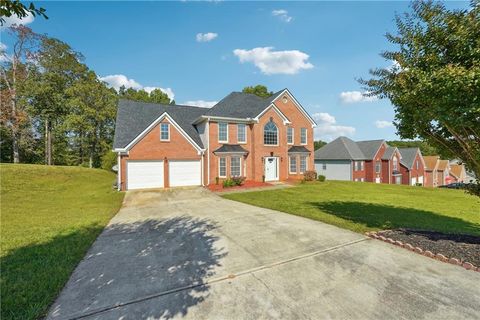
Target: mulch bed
x,y
465,248
246,185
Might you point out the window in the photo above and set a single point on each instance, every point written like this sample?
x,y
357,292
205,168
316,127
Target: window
x,y
164,132
395,163
303,164
303,136
241,133
290,135
270,134
358,165
235,167
362,165
324,166
293,164
378,166
222,167
222,132
417,164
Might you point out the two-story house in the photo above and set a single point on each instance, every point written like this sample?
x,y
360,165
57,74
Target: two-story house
x,y
261,139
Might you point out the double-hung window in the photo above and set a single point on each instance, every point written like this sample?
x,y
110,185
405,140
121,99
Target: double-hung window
x,y
222,132
293,164
303,136
324,166
235,167
289,135
164,132
395,163
378,166
241,133
222,167
303,164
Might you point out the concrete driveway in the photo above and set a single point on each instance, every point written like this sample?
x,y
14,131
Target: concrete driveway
x,y
191,254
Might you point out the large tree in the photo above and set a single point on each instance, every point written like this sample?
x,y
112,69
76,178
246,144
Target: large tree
x,y
259,90
434,80
19,9
155,96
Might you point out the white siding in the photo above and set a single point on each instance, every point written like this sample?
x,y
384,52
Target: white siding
x,y
336,169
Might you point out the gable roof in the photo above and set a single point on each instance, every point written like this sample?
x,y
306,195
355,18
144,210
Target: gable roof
x,y
431,162
370,147
134,117
341,148
241,105
457,169
442,165
408,156
389,151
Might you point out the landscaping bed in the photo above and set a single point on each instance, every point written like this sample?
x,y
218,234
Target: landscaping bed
x,y
465,248
245,185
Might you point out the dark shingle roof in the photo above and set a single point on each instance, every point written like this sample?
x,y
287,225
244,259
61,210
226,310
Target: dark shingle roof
x,y
341,148
241,105
298,149
388,153
370,147
230,148
134,117
408,156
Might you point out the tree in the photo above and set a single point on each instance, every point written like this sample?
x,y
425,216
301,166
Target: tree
x,y
318,144
155,96
15,69
434,81
15,7
425,148
259,90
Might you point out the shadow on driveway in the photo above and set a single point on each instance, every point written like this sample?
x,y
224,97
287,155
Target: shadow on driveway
x,y
139,261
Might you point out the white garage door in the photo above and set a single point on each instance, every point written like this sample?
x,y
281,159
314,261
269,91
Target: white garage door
x,y
420,180
144,174
184,173
414,181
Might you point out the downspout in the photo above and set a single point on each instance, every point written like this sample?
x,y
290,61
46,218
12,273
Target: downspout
x,y
203,168
119,173
208,151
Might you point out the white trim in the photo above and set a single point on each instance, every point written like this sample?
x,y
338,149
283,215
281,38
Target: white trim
x,y
152,125
245,126
300,164
218,132
299,106
293,136
240,166
274,107
220,176
306,137
168,126
223,119
202,169
208,152
290,165
119,172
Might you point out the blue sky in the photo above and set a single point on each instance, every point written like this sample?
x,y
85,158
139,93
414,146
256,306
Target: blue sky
x,y
201,51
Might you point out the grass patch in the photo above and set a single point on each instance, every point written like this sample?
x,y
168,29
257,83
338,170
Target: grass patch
x,y
50,217
362,207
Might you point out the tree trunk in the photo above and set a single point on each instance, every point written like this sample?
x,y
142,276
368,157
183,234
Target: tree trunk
x,y
48,143
15,148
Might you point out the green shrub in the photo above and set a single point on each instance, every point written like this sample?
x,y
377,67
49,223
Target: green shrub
x,y
321,178
227,183
238,180
310,175
109,159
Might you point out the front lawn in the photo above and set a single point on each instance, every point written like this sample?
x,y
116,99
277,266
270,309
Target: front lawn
x,y
50,217
364,207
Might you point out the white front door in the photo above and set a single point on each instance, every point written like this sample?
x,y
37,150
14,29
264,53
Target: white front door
x,y
185,173
271,169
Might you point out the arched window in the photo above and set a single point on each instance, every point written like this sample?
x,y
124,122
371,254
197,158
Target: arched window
x,y
270,133
395,163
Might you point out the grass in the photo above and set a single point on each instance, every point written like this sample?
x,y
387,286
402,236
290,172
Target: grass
x,y
50,216
362,207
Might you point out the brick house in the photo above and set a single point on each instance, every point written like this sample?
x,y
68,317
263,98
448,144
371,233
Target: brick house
x,y
431,175
244,135
457,172
371,161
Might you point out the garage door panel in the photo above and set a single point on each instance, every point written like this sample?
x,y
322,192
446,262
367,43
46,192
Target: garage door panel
x,y
144,174
184,173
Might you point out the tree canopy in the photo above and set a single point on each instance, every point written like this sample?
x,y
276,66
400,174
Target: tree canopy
x,y
15,7
259,90
434,79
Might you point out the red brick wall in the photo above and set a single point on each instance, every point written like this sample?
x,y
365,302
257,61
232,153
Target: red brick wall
x,y
358,174
429,178
370,174
421,169
151,148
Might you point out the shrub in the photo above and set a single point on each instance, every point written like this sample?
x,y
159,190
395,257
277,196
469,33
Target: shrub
x,y
227,183
109,159
418,184
263,178
321,178
310,175
238,180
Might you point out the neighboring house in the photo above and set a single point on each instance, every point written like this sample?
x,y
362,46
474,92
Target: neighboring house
x,y
443,173
431,167
372,161
242,135
457,173
412,166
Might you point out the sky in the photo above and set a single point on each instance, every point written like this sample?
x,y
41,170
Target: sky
x,y
199,52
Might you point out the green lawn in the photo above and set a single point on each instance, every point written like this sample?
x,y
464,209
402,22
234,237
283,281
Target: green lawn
x,y
364,207
50,216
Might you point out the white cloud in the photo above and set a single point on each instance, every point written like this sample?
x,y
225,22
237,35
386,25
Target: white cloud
x,y
355,97
282,15
117,80
206,37
14,19
4,56
201,103
381,124
327,128
275,62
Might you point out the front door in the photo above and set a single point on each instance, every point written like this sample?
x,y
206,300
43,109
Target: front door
x,y
271,169
398,179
